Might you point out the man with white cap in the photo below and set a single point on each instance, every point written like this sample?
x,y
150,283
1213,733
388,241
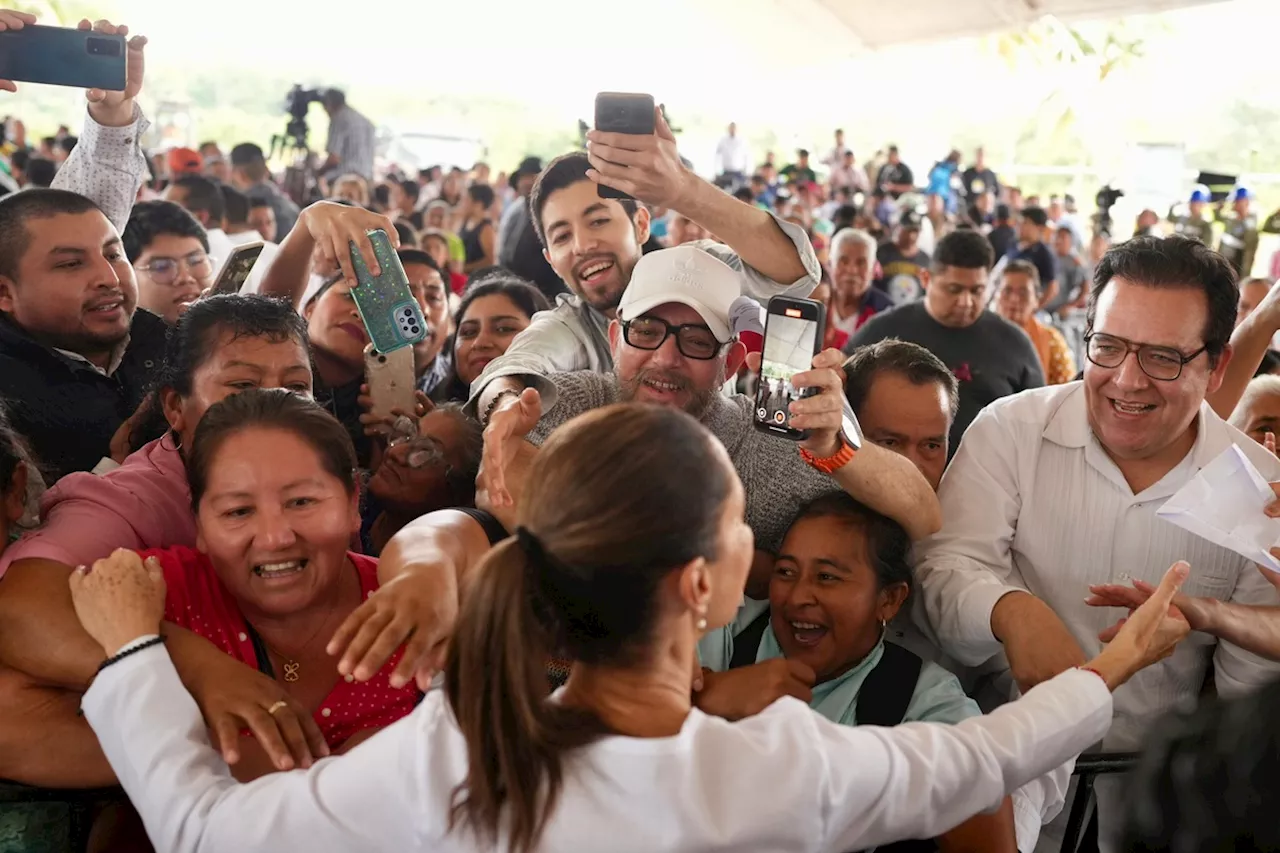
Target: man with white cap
x,y
673,345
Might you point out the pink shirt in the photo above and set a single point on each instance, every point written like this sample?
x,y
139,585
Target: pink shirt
x,y
145,503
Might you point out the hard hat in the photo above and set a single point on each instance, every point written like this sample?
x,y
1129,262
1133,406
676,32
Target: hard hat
x,y
1241,194
1200,193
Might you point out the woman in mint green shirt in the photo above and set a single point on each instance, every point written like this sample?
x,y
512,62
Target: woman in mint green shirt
x,y
840,576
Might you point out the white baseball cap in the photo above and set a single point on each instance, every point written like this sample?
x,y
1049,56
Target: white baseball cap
x,y
688,276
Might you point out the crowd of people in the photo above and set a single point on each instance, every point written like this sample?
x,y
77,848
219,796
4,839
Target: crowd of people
x,y
576,599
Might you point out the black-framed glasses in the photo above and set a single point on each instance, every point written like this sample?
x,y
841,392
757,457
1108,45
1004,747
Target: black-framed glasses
x,y
694,340
1160,363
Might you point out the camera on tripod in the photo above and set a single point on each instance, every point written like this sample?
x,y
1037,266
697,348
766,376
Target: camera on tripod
x,y
296,104
300,180
1105,199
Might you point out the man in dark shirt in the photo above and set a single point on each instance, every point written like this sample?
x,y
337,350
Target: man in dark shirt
x,y
903,264
76,354
1003,235
979,179
895,176
991,357
800,172
1032,247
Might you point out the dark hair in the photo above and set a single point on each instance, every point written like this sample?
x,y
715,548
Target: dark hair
x,y
966,250
564,171
203,196
1024,268
270,408
482,193
40,172
68,143
17,209
1269,364
408,235
190,342
333,98
1036,216
461,481
151,219
744,194
255,203
526,297
1206,780
417,256
236,204
13,451
911,361
381,196
20,158
410,189
249,157
606,516
803,152
887,543
1174,262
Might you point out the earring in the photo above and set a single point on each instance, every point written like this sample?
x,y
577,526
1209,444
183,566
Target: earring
x,y
701,624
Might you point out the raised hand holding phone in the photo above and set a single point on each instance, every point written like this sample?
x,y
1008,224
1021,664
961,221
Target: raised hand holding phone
x,y
390,313
792,337
631,159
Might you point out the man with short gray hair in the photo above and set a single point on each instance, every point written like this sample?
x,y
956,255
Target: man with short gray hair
x,y
853,300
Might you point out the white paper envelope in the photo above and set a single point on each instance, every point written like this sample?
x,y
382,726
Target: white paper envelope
x,y
1224,504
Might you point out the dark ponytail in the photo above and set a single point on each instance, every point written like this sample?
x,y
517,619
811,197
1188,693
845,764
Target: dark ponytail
x,y
514,736
615,500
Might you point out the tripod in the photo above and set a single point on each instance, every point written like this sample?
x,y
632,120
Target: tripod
x,y
300,180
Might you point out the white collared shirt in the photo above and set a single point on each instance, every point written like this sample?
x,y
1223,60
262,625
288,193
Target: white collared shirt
x,y
732,155
1032,502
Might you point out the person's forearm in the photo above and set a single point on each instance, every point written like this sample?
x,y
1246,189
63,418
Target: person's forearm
x,y
1050,292
1253,628
426,549
288,273
748,230
892,486
491,391
1249,343
983,833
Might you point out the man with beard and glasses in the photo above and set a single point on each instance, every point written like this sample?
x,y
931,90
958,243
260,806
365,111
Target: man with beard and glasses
x,y
673,346
593,244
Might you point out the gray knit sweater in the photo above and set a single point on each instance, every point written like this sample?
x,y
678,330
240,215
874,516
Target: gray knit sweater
x,y
776,480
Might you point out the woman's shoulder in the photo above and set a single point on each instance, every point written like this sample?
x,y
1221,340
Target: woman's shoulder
x,y
939,698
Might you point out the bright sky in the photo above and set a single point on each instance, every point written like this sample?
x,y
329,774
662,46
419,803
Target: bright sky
x,y
743,58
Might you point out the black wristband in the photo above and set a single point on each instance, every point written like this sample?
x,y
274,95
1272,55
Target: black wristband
x,y
119,656
497,398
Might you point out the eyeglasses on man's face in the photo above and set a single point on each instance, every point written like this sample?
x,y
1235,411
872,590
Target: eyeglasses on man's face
x,y
1160,363
694,340
165,270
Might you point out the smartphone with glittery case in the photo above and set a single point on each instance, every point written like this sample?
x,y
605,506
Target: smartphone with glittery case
x,y
391,315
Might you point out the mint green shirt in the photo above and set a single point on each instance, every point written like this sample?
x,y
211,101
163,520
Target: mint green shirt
x,y
938,697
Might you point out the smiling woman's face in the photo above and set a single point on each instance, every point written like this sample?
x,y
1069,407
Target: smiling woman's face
x,y
484,333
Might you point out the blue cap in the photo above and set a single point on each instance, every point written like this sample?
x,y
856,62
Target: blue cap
x,y
1241,193
1201,193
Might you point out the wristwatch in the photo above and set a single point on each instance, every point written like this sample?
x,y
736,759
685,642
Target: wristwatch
x,y
850,437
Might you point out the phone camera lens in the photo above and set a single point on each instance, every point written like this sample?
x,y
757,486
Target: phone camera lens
x,y
414,329
382,359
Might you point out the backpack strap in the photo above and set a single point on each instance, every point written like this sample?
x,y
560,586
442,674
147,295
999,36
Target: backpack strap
x,y
747,644
887,690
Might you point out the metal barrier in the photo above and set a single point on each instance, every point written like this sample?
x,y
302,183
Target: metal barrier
x,y
1089,767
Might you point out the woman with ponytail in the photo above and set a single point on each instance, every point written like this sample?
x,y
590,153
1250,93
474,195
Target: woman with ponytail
x,y
630,544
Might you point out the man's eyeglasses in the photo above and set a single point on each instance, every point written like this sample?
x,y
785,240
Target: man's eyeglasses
x,y
1160,363
165,270
692,339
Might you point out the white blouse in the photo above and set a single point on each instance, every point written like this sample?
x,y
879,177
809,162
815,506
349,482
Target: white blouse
x,y
785,780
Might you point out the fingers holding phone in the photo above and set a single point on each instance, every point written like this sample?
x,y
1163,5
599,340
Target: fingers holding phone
x,y
633,152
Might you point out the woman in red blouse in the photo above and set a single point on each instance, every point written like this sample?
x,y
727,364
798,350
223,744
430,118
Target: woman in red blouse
x,y
273,484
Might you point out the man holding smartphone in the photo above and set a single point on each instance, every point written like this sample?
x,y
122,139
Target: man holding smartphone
x,y
673,345
594,243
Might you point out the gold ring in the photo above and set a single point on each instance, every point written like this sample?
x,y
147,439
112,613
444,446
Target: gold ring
x,y
277,706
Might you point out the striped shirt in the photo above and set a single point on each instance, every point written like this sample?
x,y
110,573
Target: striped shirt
x,y
351,140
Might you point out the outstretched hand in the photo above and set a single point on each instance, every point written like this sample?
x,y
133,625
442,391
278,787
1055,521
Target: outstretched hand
x,y
508,425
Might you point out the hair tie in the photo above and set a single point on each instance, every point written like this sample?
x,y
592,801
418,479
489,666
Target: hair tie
x,y
530,545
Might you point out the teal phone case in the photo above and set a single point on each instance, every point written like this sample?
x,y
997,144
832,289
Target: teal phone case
x,y
391,315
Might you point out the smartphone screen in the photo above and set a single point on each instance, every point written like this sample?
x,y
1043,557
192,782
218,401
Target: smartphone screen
x,y
790,342
237,268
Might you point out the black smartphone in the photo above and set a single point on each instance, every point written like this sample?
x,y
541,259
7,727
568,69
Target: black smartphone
x,y
623,112
63,57
792,337
235,272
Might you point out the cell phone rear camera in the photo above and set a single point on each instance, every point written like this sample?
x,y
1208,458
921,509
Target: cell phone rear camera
x,y
102,47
